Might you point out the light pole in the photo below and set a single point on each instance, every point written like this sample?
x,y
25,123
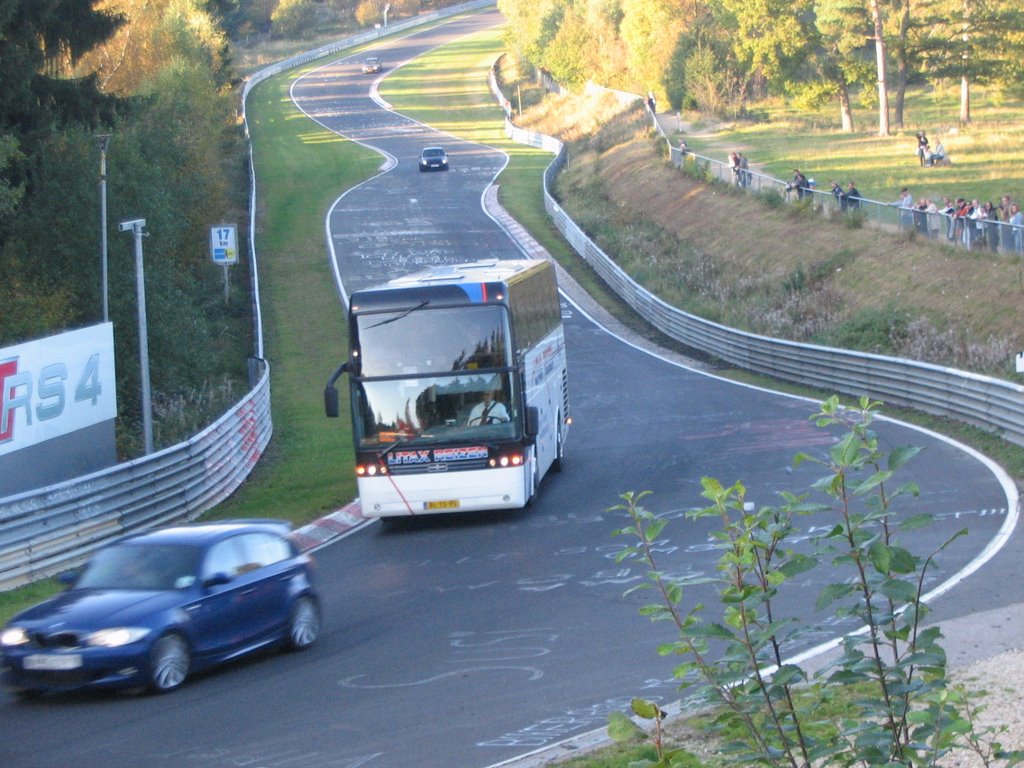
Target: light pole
x,y
135,226
102,140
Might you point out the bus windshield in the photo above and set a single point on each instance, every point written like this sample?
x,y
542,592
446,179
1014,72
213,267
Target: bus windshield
x,y
432,409
417,341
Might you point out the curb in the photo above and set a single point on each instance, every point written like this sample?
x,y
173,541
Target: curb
x,y
330,527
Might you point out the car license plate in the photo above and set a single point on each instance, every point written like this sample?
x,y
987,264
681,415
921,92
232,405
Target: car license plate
x,y
446,504
53,662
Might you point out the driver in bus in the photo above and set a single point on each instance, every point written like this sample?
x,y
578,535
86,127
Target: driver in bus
x,y
488,411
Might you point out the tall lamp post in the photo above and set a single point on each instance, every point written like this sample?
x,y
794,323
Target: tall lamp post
x,y
135,227
102,140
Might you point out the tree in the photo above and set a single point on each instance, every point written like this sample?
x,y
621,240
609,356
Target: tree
x,y
565,56
973,42
841,54
40,40
154,35
294,19
650,30
878,23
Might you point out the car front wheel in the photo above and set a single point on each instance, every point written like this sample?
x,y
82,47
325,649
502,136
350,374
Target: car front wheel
x,y
168,663
303,624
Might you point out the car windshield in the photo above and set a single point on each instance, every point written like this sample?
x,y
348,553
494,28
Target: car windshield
x,y
433,152
141,566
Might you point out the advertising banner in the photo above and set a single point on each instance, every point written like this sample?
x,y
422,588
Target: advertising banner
x,y
58,403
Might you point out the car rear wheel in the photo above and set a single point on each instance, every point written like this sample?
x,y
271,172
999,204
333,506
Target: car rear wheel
x,y
303,624
168,663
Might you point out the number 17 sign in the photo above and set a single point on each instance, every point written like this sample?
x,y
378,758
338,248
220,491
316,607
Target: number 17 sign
x,y
223,244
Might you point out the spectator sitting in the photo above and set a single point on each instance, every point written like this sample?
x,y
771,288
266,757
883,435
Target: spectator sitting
x,y
938,156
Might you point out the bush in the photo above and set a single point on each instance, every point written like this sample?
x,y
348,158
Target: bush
x,y
767,710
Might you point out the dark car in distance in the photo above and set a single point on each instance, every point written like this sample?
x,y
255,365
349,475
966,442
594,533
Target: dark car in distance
x,y
371,65
151,608
433,158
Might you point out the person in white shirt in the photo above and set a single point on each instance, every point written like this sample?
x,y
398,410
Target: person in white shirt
x,y
488,411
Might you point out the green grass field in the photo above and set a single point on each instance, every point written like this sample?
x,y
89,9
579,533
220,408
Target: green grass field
x,y
987,154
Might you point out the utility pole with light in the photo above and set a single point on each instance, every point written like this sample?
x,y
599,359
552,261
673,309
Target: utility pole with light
x,y
135,227
102,140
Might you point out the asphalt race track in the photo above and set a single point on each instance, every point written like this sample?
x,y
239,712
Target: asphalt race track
x,y
464,641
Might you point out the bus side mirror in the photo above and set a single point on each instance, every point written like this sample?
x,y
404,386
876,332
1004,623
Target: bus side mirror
x,y
532,421
331,402
331,394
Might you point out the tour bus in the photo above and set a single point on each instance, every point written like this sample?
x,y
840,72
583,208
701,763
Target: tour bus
x,y
458,387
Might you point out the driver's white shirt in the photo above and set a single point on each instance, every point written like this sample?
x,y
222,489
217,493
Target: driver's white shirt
x,y
495,412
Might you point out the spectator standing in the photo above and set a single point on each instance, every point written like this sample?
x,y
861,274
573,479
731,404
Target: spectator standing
x,y
934,220
744,170
1016,220
839,195
906,206
1005,203
734,167
920,214
852,197
799,183
973,233
991,224
962,222
922,147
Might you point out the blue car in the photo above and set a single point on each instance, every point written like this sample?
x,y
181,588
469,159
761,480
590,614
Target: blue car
x,y
149,609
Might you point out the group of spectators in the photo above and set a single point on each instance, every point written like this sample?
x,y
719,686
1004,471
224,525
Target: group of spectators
x,y
970,222
739,166
927,154
848,199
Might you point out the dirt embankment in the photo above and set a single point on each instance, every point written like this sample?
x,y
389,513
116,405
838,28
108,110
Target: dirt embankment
x,y
780,271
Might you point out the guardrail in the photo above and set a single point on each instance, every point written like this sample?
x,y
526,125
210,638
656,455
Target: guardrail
x,y
51,529
992,404
46,531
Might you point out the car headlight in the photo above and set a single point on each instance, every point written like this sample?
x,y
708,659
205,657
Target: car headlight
x,y
13,636
115,637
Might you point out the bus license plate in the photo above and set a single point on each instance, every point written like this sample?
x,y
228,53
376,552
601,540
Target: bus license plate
x,y
446,504
48,663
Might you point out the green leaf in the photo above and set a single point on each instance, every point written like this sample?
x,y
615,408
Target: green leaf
x,y
646,709
914,522
899,591
798,564
881,556
900,456
901,561
871,483
622,729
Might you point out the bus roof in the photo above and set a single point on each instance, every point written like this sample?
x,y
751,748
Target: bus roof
x,y
476,282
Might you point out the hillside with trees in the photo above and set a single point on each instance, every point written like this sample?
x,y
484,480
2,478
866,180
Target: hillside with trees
x,y
158,78
721,58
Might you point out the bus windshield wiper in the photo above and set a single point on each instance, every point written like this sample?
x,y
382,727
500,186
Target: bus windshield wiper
x,y
405,314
